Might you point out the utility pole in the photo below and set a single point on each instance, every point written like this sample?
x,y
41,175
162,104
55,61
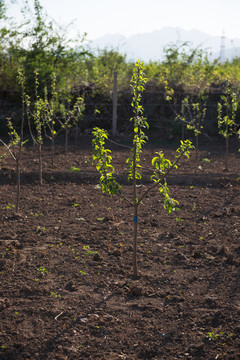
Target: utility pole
x,y
114,117
222,48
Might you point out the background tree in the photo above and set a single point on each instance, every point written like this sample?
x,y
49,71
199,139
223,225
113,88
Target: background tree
x,y
16,142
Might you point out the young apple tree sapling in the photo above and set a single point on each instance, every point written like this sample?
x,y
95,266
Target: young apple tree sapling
x,y
161,166
227,111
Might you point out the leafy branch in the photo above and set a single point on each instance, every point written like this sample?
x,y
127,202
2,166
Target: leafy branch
x,y
104,166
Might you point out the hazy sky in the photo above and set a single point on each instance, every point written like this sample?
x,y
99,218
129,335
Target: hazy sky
x,y
128,17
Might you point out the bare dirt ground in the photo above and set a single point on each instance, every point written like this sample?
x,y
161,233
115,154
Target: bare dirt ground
x,y
66,285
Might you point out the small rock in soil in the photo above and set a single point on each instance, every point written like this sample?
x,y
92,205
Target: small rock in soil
x,y
136,290
180,257
196,349
116,252
96,257
197,255
71,286
223,251
211,301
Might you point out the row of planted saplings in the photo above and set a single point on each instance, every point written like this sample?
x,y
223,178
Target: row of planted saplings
x,y
192,114
46,116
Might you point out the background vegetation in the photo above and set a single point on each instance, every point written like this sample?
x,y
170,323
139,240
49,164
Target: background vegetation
x,y
39,44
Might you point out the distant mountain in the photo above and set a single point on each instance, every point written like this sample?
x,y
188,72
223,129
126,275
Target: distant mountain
x,y
149,46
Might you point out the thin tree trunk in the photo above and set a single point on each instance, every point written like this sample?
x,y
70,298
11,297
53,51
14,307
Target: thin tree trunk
x,y
196,147
52,150
40,163
135,232
18,184
18,156
227,151
135,229
66,140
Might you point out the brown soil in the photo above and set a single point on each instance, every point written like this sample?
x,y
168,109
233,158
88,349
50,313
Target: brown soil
x,y
66,285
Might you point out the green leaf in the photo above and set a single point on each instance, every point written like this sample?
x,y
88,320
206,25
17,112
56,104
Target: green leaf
x,y
74,169
154,160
